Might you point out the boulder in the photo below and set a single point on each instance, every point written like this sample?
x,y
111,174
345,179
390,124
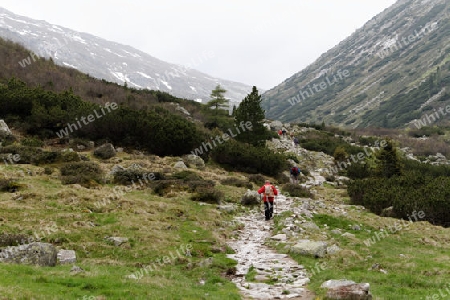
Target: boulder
x,y
105,151
250,198
4,129
356,291
66,257
388,212
42,254
194,161
276,125
180,165
228,208
310,248
334,283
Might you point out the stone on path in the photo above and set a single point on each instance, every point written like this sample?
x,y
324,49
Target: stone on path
x,y
310,248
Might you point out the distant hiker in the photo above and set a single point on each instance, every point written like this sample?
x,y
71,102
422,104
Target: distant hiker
x,y
283,131
295,171
269,192
295,142
280,132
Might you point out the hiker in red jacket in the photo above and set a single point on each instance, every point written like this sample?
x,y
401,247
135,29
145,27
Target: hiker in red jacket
x,y
269,192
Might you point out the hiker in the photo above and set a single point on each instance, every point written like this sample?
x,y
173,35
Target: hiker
x,y
295,171
283,131
295,142
269,192
280,132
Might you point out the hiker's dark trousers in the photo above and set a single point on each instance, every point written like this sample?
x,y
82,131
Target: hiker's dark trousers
x,y
268,209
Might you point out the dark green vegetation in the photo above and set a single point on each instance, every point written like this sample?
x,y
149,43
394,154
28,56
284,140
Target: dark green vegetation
x,y
386,87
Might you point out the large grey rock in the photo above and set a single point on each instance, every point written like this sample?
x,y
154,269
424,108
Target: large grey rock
x,y
250,198
105,151
66,257
194,161
276,125
116,168
310,248
4,129
334,283
310,226
42,254
357,291
180,165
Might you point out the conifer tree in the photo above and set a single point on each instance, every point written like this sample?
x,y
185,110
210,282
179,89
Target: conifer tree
x,y
249,110
217,98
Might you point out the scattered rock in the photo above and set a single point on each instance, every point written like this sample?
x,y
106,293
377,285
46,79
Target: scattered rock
x,y
250,198
66,257
194,161
76,269
276,125
229,208
335,283
310,248
332,250
388,212
4,129
105,151
310,226
357,291
42,254
279,237
356,227
180,165
348,235
117,241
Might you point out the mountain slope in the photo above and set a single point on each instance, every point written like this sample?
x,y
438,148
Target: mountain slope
x,y
112,61
389,72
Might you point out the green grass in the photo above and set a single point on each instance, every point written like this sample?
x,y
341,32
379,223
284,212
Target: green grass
x,y
415,266
156,227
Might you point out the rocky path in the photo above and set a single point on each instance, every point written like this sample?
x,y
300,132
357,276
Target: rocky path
x,y
278,276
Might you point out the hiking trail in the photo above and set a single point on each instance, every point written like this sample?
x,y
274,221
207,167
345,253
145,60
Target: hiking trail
x,y
287,277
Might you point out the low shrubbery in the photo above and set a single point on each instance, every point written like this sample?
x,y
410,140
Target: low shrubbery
x,y
130,176
208,194
406,194
258,179
233,181
235,156
295,190
84,173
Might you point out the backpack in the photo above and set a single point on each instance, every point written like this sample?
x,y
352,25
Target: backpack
x,y
295,171
268,191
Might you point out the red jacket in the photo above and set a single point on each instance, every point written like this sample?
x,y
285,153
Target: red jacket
x,y
262,190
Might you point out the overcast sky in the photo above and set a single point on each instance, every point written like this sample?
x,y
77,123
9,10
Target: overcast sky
x,y
257,42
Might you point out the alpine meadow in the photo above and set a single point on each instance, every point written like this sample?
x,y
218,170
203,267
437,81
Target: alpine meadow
x,y
224,150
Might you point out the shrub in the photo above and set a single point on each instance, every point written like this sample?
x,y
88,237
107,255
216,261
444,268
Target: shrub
x,y
293,156
32,142
235,156
257,178
282,178
32,155
9,185
130,176
233,181
84,173
69,156
208,195
295,190
187,176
